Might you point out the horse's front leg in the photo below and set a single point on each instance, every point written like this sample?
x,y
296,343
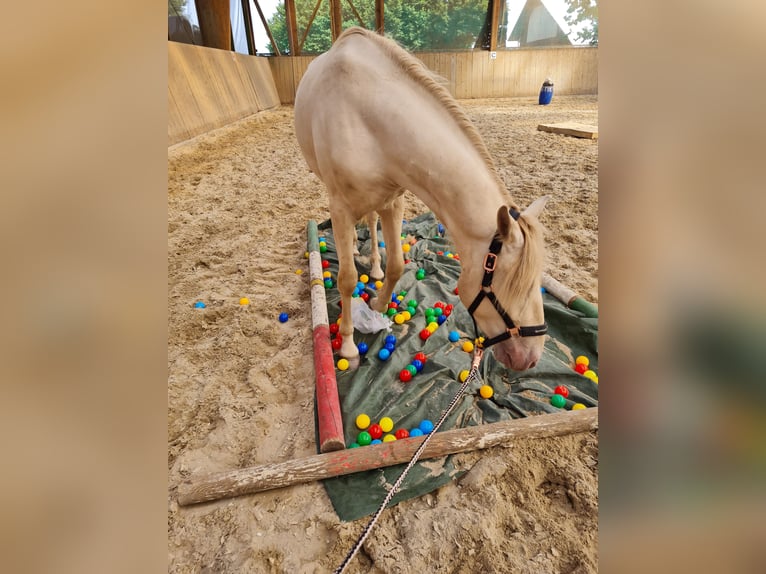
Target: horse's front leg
x,y
391,223
376,271
345,235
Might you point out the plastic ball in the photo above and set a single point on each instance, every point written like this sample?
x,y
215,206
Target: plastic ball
x,y
417,364
405,376
578,406
362,421
376,441
283,317
334,328
412,303
412,369
454,336
591,375
421,357
420,274
363,348
401,433
399,319
486,391
326,274
440,227
438,311
426,426
463,375
354,445
364,279
424,334
384,354
542,290
468,346
375,431
336,343
440,319
365,296
406,247
382,244
582,359
581,368
561,390
390,312
390,339
299,271
406,315
325,264
386,423
456,291
343,364
363,438
557,401
389,347
305,254
328,283
416,432
389,438
244,301
323,249
432,326
378,284
411,311
199,305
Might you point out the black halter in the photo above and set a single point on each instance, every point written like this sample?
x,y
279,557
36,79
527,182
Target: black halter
x,y
490,260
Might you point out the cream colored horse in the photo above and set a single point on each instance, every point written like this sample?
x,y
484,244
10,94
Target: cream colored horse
x,y
371,122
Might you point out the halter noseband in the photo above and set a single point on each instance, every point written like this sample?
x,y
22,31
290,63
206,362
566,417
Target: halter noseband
x,y
490,260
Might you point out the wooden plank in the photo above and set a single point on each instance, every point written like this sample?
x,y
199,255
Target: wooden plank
x,y
494,24
575,129
292,27
338,463
380,20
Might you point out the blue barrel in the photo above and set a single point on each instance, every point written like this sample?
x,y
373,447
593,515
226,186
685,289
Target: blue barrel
x,y
546,93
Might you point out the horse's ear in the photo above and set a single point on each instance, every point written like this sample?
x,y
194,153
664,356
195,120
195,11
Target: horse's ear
x,y
507,227
536,207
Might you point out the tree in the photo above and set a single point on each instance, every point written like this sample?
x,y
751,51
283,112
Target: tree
x,y
176,7
416,24
584,12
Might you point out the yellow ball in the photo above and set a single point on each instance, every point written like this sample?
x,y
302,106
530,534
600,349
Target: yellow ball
x,y
364,279
463,375
450,255
306,255
386,424
406,247
582,360
244,301
399,318
432,326
486,391
468,346
362,421
389,438
578,407
322,244
407,316
378,284
326,274
299,271
591,375
343,364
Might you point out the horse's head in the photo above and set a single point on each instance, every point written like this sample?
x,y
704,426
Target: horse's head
x,y
502,292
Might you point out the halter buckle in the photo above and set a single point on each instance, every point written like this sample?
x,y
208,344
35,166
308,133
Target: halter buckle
x,y
513,332
490,260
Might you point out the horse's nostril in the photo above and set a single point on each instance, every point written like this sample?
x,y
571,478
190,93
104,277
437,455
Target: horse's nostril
x,y
532,365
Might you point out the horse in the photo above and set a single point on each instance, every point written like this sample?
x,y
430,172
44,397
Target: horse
x,y
372,121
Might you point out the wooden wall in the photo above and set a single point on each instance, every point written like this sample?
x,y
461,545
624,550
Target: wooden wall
x,y
209,88
472,74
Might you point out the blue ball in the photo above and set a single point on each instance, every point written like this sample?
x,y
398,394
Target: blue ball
x,y
199,305
381,244
454,336
426,426
416,432
417,364
393,298
441,318
371,285
542,290
384,354
283,317
440,227
363,348
390,339
360,285
389,347
376,441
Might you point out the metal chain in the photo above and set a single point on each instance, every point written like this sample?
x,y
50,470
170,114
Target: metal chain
x,y
473,374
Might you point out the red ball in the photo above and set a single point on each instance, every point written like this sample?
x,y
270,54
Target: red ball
x,y
456,291
420,357
581,368
439,304
337,342
561,390
375,431
334,328
424,334
401,433
440,252
393,305
325,264
365,296
405,376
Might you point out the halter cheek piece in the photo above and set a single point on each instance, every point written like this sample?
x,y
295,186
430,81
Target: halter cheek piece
x,y
490,260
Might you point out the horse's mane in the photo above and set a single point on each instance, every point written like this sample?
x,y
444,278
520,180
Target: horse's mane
x,y
419,73
527,275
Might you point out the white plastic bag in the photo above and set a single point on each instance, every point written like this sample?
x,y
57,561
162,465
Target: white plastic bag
x,y
367,320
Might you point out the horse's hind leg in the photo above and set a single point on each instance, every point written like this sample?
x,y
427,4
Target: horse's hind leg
x,y
376,271
391,222
345,235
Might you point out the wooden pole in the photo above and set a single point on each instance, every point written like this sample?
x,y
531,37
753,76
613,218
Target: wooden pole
x,y
329,420
214,23
266,27
494,25
568,297
336,20
308,26
248,17
321,466
380,20
292,28
356,14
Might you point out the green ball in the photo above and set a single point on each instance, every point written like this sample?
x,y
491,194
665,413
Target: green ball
x,y
421,273
364,438
323,248
412,369
391,312
558,401
412,303
412,310
354,445
328,283
438,311
403,293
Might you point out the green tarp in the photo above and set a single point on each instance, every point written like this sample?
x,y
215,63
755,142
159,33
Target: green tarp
x,y
375,389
